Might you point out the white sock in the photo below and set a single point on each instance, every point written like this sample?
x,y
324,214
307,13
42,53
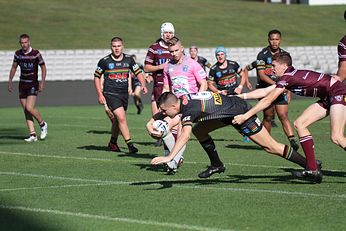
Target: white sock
x,y
170,141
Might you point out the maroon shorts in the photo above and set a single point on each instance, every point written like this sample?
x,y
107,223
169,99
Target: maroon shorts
x,y
337,95
157,91
27,89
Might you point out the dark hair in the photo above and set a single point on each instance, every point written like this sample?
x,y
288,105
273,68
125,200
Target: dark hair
x,y
166,97
275,31
117,39
24,36
173,41
283,57
345,15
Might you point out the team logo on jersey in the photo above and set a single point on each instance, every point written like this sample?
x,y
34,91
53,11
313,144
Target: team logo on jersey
x,y
269,60
110,65
186,118
159,51
185,101
217,99
218,74
185,68
126,65
338,98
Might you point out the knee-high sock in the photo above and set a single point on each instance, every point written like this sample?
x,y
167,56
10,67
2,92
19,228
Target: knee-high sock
x,y
307,144
293,156
209,147
170,142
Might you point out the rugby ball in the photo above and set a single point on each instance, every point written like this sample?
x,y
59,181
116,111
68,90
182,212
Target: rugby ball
x,y
161,126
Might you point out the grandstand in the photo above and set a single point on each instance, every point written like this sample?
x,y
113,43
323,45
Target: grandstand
x,y
80,64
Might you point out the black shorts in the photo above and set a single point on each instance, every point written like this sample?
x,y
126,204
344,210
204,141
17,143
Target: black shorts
x,y
116,101
250,127
27,89
281,100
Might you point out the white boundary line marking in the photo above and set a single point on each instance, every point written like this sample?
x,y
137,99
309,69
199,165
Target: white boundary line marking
x,y
140,161
159,182
116,219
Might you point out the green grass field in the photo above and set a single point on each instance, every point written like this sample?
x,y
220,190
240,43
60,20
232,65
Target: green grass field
x,y
73,24
71,182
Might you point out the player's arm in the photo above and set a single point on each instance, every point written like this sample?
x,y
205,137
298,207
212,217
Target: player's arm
x,y
98,87
203,85
258,93
141,79
264,77
11,75
150,128
243,80
260,106
165,80
342,71
152,68
211,86
43,76
181,141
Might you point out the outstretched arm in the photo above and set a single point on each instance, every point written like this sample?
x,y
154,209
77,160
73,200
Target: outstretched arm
x,y
260,106
258,93
181,141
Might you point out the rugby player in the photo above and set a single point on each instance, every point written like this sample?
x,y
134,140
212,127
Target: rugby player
x,y
193,50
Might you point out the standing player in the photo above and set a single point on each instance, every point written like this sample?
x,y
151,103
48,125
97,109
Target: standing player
x,y
193,50
115,69
329,89
211,111
342,58
182,75
265,78
157,56
224,76
29,59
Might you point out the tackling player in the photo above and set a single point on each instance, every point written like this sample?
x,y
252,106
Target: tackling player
x,y
211,111
329,89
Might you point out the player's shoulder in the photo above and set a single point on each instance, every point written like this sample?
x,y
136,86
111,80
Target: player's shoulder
x,y
233,63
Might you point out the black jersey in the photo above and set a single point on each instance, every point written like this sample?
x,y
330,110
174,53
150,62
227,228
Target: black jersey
x,y
225,79
203,62
208,106
116,73
264,62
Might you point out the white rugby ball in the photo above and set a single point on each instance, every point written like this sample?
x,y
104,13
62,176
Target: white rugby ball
x,y
161,126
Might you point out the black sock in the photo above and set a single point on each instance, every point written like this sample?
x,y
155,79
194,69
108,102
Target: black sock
x,y
114,140
33,134
209,147
42,123
345,148
293,156
129,142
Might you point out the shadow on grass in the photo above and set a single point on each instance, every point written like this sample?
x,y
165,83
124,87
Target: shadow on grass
x,y
244,146
13,134
98,132
94,148
330,173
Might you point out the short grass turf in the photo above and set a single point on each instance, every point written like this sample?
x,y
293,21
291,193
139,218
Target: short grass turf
x,y
71,182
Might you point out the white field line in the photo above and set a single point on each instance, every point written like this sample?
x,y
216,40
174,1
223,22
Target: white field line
x,y
160,181
116,219
139,161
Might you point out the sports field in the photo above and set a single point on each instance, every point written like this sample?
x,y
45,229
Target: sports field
x,y
71,182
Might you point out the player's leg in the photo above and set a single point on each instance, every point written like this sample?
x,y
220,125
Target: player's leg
x,y
310,115
137,99
113,143
30,106
337,124
282,112
29,122
201,131
268,115
120,115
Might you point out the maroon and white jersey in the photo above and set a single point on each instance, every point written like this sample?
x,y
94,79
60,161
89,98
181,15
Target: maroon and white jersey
x,y
308,83
157,54
28,63
342,49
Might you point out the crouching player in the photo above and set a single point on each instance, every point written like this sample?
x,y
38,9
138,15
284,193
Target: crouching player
x,y
211,111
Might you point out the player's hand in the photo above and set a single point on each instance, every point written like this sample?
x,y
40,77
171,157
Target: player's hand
x,y
109,112
223,92
249,85
102,100
10,86
130,91
160,160
148,78
41,86
155,134
237,90
239,119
